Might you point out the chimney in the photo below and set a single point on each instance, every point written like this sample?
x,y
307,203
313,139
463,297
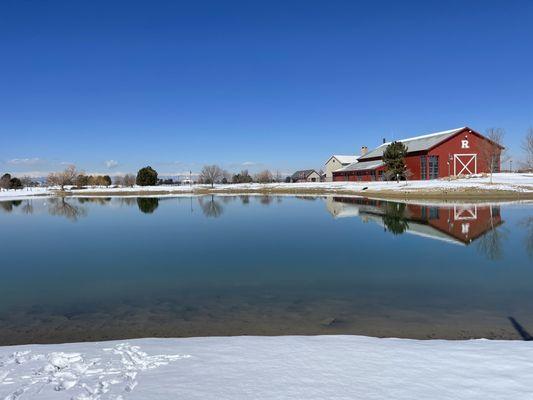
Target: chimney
x,y
364,150
384,141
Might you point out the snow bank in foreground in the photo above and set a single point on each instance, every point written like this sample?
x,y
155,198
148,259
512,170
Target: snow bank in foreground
x,y
285,367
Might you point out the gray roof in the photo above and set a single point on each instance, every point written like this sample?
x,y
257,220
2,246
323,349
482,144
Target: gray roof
x,y
417,143
361,166
303,174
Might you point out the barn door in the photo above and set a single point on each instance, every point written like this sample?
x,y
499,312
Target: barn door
x,y
464,164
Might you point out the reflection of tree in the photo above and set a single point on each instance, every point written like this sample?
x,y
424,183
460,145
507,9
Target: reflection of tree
x,y
245,199
97,200
527,223
27,208
211,207
7,206
265,200
491,242
59,206
128,201
394,218
147,205
227,199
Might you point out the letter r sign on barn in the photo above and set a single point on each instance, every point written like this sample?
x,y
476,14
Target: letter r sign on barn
x,y
464,144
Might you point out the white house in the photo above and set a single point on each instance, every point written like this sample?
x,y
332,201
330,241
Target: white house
x,y
306,175
336,162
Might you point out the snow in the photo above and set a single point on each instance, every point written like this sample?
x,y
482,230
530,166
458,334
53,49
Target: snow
x,y
513,182
428,135
343,159
284,367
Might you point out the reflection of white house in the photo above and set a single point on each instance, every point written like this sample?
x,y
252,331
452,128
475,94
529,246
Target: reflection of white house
x,y
336,162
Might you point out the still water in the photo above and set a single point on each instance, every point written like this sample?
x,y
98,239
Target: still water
x,y
79,269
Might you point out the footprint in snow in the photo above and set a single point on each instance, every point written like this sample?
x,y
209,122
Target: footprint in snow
x,y
111,376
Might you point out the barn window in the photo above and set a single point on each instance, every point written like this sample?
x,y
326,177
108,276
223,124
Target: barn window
x,y
433,167
423,168
433,213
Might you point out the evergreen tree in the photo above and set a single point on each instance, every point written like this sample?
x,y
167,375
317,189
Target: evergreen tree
x,y
146,176
15,183
394,159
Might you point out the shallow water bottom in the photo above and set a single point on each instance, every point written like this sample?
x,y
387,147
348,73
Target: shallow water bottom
x,y
360,311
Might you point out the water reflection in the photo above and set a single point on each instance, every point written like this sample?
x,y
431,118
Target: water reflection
x,y
210,207
527,223
8,206
27,208
147,205
96,200
455,223
145,270
60,206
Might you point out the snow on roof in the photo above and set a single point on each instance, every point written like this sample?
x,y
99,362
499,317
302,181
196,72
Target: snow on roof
x,y
416,143
362,166
345,159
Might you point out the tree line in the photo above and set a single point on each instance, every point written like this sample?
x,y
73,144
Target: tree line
x,y
212,174
393,158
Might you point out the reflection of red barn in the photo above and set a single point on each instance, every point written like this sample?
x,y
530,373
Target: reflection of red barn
x,y
455,152
459,223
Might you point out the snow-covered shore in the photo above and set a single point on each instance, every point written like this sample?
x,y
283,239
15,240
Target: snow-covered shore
x,y
504,182
283,367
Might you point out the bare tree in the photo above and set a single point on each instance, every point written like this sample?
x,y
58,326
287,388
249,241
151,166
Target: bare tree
x,y
118,180
527,146
211,174
492,155
63,178
26,181
264,176
277,176
129,180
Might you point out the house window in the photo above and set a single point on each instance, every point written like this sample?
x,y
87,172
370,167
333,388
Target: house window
x,y
433,167
423,168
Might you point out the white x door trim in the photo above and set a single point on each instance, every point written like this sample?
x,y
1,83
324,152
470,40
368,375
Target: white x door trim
x,y
464,212
466,165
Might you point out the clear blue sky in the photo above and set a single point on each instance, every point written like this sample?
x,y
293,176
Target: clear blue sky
x,y
264,84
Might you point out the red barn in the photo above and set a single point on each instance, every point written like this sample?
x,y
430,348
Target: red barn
x,y
455,152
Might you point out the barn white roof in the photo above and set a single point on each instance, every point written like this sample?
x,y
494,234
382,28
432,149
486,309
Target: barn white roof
x,y
416,143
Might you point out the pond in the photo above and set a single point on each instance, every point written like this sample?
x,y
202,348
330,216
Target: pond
x,y
77,269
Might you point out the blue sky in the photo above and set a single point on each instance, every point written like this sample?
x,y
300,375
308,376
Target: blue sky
x,y
115,85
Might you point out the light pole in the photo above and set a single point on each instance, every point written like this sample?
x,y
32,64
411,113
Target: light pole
x,y
510,165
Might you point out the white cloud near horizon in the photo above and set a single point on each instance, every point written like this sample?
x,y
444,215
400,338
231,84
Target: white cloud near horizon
x,y
111,164
24,161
